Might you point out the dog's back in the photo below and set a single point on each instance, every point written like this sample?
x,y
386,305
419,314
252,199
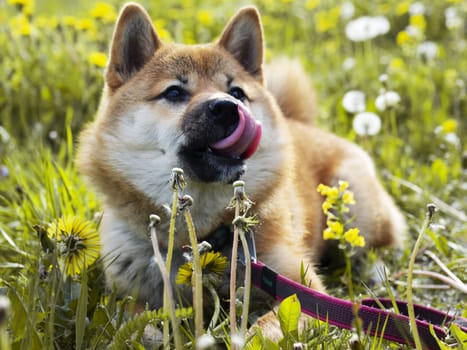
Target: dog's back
x,y
288,82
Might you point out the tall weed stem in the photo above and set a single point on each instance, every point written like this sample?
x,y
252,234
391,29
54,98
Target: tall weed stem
x,y
197,283
154,219
431,208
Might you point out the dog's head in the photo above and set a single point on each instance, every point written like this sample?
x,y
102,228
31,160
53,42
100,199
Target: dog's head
x,y
202,108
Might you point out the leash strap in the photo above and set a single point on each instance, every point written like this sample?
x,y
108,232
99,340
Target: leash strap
x,y
339,312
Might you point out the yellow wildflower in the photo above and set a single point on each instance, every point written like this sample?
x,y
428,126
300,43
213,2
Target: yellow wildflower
x,y
98,59
402,8
77,242
449,125
105,12
348,198
353,237
404,39
396,64
21,25
343,185
211,263
69,21
205,18
418,21
311,4
336,226
327,20
85,24
326,206
163,33
329,234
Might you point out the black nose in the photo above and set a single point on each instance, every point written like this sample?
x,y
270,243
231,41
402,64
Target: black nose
x,y
224,114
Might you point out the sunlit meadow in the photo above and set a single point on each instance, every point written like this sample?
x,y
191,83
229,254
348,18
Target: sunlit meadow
x,y
390,75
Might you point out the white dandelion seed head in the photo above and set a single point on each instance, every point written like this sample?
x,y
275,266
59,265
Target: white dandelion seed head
x,y
366,28
383,78
414,32
348,63
4,135
366,123
452,18
205,341
237,340
453,139
387,100
417,8
347,10
354,101
5,306
427,50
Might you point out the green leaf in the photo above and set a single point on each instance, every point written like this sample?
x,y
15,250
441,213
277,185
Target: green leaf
x,y
459,334
289,314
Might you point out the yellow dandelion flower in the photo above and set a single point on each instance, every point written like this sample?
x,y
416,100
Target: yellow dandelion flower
x,y
21,2
69,21
403,38
98,59
327,20
353,237
211,263
21,25
77,242
396,64
205,18
418,21
403,7
46,22
449,125
104,12
163,33
311,4
85,24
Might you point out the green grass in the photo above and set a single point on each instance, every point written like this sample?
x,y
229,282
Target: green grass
x,y
51,87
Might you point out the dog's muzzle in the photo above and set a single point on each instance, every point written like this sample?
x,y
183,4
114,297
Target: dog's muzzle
x,y
241,133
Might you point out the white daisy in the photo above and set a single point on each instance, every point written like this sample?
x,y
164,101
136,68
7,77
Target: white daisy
x,y
366,123
354,101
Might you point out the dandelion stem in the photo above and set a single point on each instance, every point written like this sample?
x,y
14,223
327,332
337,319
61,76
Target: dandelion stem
x,y
233,279
410,306
166,279
247,284
197,282
217,306
170,247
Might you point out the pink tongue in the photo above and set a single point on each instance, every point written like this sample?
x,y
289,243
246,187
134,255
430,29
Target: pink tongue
x,y
244,141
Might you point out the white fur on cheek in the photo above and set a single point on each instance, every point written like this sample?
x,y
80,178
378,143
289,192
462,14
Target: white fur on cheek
x,y
143,150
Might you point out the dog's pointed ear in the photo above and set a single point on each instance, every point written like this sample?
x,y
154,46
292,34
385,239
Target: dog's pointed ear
x,y
243,38
134,42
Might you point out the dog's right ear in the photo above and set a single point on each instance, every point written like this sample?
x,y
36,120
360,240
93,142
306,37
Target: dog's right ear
x,y
134,42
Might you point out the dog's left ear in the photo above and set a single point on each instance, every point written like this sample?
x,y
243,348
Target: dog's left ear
x,y
243,38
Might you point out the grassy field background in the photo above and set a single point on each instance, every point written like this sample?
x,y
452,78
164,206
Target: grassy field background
x,y
52,58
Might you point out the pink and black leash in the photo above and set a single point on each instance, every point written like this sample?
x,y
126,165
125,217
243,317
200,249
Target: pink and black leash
x,y
339,312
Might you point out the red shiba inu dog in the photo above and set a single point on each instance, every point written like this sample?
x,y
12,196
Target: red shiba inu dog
x,y
216,112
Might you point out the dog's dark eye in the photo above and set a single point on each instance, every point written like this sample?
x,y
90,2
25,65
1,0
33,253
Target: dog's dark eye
x,y
238,93
175,94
